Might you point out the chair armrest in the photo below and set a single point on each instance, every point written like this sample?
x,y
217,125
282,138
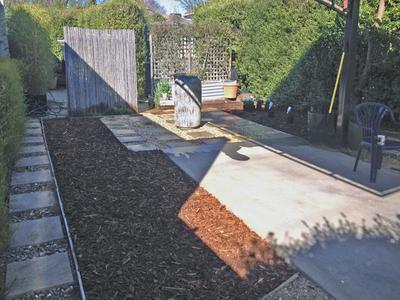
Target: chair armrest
x,y
394,121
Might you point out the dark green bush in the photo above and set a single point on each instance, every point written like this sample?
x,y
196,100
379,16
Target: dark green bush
x,y
12,118
29,42
290,50
121,14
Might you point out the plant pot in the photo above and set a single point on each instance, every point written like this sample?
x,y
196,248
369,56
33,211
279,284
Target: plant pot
x,y
354,135
231,90
321,127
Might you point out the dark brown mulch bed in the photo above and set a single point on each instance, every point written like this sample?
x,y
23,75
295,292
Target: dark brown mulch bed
x,y
142,228
279,120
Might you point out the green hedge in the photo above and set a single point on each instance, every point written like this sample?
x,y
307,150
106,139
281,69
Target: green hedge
x,y
289,50
114,14
12,118
30,43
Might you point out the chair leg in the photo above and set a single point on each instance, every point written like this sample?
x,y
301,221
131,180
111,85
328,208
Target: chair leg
x,y
374,164
380,158
357,159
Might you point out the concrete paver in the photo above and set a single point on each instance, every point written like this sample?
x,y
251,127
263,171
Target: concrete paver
x,y
33,131
30,177
142,147
30,201
32,161
33,149
131,139
33,140
38,274
36,231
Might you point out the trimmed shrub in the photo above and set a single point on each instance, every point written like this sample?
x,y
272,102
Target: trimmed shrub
x,y
30,43
290,50
12,119
121,14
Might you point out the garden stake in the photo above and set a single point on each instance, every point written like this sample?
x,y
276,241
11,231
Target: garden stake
x,y
337,83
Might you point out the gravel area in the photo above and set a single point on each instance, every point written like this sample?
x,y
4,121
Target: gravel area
x,y
298,289
36,187
28,252
143,229
59,293
34,214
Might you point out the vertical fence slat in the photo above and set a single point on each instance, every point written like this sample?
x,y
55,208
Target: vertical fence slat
x,y
100,69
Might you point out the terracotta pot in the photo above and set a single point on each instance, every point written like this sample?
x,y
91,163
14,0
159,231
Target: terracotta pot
x,y
231,90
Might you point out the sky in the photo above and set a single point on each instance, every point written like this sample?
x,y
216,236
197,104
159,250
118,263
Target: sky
x,y
171,6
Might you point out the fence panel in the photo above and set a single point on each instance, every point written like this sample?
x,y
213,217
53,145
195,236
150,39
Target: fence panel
x,y
100,69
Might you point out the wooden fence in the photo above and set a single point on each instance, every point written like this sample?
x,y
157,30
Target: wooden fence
x,y
100,69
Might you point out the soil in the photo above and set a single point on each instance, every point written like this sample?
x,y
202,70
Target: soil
x,y
279,120
144,230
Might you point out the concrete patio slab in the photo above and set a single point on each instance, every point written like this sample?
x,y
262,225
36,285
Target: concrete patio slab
x,y
33,149
30,177
355,269
32,161
36,231
30,201
38,274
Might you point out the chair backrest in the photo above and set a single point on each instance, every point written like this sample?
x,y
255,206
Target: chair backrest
x,y
369,116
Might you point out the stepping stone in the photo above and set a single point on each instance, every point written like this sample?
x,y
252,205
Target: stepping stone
x,y
201,135
33,131
142,147
30,201
168,137
137,118
118,126
131,139
181,143
32,161
33,149
30,177
36,231
32,125
123,132
33,140
38,274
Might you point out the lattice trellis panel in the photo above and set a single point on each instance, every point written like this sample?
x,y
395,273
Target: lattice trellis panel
x,y
170,57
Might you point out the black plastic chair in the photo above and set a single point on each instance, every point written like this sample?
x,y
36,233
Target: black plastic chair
x,y
369,117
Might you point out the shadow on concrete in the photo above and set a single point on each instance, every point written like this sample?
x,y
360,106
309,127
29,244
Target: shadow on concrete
x,y
328,161
349,260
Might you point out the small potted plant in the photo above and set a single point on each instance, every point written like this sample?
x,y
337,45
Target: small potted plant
x,y
162,92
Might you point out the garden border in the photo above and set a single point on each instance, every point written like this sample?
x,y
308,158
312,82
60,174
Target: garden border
x,y
64,218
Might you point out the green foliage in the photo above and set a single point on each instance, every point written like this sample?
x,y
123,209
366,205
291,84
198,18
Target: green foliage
x,y
29,42
12,118
290,50
121,14
281,42
162,88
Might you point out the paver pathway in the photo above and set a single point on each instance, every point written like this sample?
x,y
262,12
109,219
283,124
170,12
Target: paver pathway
x,y
38,261
334,225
